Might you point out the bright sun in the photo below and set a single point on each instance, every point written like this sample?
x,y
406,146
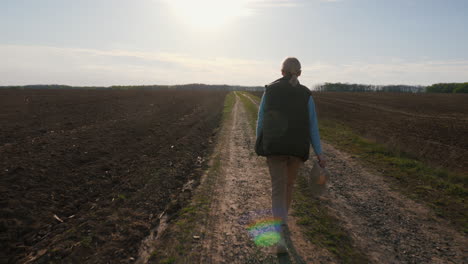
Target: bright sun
x,y
208,14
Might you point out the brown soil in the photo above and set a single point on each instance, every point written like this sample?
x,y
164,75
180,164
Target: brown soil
x,y
84,174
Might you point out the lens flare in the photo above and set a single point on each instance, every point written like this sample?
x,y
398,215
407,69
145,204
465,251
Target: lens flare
x,y
265,232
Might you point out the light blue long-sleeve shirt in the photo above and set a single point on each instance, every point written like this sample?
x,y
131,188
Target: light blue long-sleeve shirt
x,y
313,124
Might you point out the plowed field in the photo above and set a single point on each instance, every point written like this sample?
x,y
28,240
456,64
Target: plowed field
x,y
84,174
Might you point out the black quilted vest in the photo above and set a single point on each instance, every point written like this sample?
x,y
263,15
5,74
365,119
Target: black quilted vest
x,y
285,121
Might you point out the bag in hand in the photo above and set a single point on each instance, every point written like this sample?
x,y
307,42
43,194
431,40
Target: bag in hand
x,y
317,180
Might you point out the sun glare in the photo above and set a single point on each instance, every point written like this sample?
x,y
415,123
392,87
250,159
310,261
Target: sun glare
x,y
208,14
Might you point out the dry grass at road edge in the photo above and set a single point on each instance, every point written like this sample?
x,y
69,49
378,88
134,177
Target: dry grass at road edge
x,y
252,109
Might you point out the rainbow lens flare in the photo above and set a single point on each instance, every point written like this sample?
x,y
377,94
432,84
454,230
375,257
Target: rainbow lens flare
x,y
265,232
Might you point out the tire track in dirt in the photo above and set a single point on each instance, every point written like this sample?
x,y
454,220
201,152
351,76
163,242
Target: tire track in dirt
x,y
387,226
251,99
243,194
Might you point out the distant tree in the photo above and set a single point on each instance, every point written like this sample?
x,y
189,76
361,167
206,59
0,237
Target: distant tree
x,y
346,87
448,88
461,88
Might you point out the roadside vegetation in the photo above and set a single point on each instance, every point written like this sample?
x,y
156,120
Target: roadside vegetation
x,y
179,241
251,107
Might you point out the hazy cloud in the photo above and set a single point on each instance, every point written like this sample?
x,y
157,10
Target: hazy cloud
x,y
274,3
75,66
391,71
285,3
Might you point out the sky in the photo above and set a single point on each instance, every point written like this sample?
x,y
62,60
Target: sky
x,y
237,42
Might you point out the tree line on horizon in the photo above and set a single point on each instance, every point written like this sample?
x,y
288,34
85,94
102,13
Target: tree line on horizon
x,y
326,87
352,87
448,88
194,86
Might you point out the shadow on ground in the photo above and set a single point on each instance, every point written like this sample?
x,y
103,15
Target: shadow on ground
x,y
293,256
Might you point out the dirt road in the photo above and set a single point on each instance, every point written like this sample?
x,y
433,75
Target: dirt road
x,y
244,197
386,226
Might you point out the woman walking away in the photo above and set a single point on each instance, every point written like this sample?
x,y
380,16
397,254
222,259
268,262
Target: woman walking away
x,y
286,127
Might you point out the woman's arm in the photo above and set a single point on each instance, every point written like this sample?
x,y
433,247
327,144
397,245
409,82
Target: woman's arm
x,y
313,128
260,116
314,132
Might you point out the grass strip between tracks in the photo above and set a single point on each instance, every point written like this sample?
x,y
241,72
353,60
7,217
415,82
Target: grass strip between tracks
x,y
185,232
317,224
252,109
444,191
